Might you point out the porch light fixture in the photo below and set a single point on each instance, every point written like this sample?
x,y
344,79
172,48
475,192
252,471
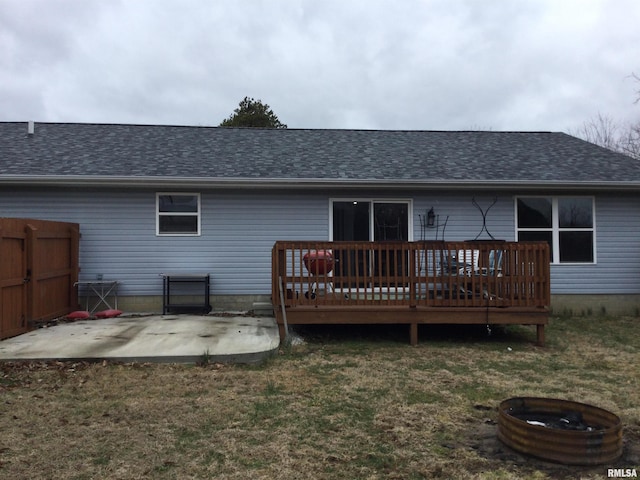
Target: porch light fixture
x,y
431,218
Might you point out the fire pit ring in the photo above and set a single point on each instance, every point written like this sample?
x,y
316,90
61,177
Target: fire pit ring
x,y
561,431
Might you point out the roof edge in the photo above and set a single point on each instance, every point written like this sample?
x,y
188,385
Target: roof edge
x,y
297,183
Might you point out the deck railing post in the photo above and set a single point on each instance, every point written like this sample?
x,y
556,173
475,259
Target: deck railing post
x,y
414,267
275,299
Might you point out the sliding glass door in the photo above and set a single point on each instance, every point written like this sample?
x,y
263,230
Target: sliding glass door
x,y
357,220
371,220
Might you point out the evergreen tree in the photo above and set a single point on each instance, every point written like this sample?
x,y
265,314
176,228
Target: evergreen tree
x,y
253,113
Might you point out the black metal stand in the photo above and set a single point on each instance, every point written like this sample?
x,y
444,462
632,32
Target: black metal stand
x,y
196,285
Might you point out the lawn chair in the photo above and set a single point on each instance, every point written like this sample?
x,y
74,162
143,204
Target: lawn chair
x,y
458,264
464,263
494,265
492,270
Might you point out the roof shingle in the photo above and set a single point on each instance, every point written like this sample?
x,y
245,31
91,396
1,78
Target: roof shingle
x,y
175,152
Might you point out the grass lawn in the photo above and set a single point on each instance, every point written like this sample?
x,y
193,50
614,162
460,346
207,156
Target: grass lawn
x,y
349,403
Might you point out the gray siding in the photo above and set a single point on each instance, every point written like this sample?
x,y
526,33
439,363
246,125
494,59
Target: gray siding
x,y
239,229
465,220
617,268
119,235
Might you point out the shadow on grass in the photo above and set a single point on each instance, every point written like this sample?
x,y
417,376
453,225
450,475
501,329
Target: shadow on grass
x,y
427,334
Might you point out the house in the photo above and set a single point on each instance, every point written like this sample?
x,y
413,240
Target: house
x,y
152,199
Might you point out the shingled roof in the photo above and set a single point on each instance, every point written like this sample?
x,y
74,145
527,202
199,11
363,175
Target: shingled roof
x,y
91,154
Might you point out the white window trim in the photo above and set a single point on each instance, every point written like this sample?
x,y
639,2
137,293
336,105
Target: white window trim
x,y
555,226
407,201
178,214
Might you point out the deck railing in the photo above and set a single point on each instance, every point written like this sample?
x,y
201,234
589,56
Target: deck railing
x,y
412,274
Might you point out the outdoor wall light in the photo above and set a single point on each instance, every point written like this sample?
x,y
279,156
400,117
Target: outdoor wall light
x,y
431,218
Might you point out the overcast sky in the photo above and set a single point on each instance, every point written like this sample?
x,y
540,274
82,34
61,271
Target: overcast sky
x,y
372,64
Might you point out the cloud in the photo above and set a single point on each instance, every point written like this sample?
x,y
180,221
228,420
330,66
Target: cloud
x,y
419,64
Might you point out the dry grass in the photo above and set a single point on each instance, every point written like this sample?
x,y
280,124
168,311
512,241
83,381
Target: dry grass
x,y
343,405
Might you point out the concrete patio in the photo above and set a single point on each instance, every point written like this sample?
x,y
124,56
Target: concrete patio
x,y
224,338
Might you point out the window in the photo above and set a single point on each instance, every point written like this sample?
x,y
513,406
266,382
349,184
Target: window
x,y
178,214
566,223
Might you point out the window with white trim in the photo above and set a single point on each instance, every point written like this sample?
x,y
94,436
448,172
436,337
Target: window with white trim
x,y
566,223
178,214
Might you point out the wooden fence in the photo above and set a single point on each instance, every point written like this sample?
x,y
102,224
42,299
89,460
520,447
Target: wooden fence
x,y
38,270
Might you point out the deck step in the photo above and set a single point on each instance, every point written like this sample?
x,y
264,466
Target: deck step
x,y
262,308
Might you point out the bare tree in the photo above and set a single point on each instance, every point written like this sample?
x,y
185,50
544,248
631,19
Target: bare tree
x,y
637,79
606,132
630,141
601,130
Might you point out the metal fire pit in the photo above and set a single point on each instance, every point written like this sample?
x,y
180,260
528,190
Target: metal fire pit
x,y
560,431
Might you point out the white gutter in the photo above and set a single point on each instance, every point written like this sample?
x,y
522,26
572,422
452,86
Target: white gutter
x,y
306,183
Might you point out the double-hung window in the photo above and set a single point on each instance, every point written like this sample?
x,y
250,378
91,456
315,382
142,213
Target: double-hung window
x,y
566,223
178,214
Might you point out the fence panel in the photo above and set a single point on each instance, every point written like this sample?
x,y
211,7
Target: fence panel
x,y
38,271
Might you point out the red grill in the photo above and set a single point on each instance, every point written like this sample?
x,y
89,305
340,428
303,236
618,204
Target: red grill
x,y
318,262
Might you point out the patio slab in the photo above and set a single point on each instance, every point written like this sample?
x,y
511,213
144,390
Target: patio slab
x,y
154,338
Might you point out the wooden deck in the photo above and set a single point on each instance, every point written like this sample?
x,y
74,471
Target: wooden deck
x,y
411,283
